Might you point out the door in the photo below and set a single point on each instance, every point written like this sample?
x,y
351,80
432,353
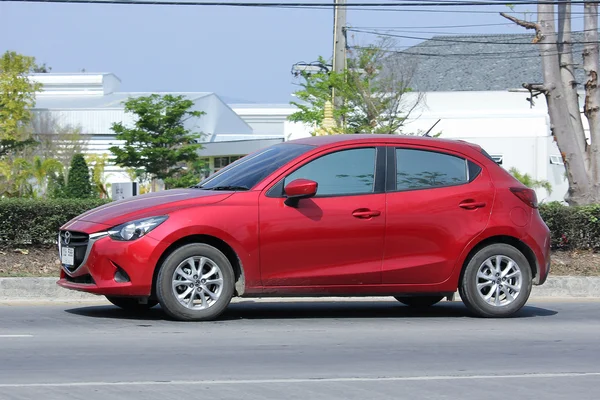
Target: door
x,y
333,238
437,202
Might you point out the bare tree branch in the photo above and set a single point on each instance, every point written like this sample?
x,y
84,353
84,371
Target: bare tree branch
x,y
521,22
538,87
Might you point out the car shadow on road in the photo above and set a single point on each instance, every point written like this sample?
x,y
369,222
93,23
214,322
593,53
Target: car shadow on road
x,y
252,310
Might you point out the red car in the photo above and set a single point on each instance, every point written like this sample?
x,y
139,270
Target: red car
x,y
416,218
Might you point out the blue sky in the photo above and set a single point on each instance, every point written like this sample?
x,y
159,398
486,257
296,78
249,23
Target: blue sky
x,y
242,54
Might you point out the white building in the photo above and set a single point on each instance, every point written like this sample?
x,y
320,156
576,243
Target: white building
x,y
93,102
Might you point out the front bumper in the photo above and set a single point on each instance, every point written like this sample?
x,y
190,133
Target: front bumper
x,y
113,268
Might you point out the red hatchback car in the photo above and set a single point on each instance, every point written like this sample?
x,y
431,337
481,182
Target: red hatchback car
x,y
416,218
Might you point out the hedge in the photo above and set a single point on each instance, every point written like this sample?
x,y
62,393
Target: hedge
x,y
573,228
37,222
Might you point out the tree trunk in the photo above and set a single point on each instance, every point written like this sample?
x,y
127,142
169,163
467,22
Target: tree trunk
x,y
567,70
592,95
562,129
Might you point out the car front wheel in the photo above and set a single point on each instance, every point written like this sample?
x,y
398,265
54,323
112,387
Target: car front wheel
x,y
195,283
496,282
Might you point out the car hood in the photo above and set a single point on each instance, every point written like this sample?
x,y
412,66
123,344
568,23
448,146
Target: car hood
x,y
148,205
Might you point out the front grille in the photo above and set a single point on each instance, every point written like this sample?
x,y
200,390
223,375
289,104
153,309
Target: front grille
x,y
79,242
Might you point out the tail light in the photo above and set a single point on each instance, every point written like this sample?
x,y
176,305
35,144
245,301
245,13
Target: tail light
x,y
526,195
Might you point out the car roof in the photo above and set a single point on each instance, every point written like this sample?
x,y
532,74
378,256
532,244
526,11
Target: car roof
x,y
328,140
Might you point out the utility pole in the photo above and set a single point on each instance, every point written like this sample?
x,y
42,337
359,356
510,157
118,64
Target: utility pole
x,y
339,45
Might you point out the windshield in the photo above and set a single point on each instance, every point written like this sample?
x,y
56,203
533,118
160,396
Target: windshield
x,y
246,172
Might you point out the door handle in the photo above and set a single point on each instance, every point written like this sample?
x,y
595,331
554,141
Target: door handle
x,y
365,213
472,205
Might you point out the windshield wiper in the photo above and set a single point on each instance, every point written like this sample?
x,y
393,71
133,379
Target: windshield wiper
x,y
228,187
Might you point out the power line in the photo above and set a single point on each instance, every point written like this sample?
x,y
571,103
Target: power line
x,y
458,43
304,4
392,28
480,55
444,39
384,32
378,7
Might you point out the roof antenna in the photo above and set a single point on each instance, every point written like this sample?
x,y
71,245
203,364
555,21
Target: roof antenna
x,y
433,126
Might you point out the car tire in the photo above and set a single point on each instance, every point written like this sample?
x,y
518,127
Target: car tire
x,y
419,301
131,303
208,288
490,291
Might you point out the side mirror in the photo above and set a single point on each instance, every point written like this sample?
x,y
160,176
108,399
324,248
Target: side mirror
x,y
299,189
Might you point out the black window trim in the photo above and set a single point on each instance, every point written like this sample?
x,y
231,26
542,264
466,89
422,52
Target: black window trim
x,y
392,173
379,180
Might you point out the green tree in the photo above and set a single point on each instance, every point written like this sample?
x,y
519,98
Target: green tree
x,y
316,91
57,186
79,185
23,177
55,139
98,163
42,169
15,178
373,88
188,176
17,94
528,180
42,69
12,146
158,145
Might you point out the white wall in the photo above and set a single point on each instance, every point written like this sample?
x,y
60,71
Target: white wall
x,y
502,123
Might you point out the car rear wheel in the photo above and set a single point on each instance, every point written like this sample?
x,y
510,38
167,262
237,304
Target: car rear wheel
x,y
131,303
496,282
420,301
195,283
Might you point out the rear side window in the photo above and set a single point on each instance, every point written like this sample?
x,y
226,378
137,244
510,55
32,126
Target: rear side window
x,y
420,169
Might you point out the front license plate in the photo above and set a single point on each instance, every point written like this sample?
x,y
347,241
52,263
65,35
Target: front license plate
x,y
68,255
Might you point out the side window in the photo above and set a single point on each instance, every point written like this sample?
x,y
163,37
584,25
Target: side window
x,y
420,169
343,172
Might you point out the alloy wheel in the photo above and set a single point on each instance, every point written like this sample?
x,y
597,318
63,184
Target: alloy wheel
x,y
499,280
197,283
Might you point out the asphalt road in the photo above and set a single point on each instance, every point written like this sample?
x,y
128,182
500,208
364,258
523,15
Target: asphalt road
x,y
310,350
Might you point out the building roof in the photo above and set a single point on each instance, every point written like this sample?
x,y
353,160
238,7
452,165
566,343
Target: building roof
x,y
109,101
479,62
93,102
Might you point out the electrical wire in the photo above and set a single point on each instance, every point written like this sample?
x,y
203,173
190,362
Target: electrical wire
x,y
405,3
439,26
480,55
376,7
414,29
392,28
445,39
385,31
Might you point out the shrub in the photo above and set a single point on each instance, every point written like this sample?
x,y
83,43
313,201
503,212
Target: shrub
x,y
573,227
28,221
79,181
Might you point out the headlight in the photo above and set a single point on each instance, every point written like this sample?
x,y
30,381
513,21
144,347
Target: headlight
x,y
135,229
